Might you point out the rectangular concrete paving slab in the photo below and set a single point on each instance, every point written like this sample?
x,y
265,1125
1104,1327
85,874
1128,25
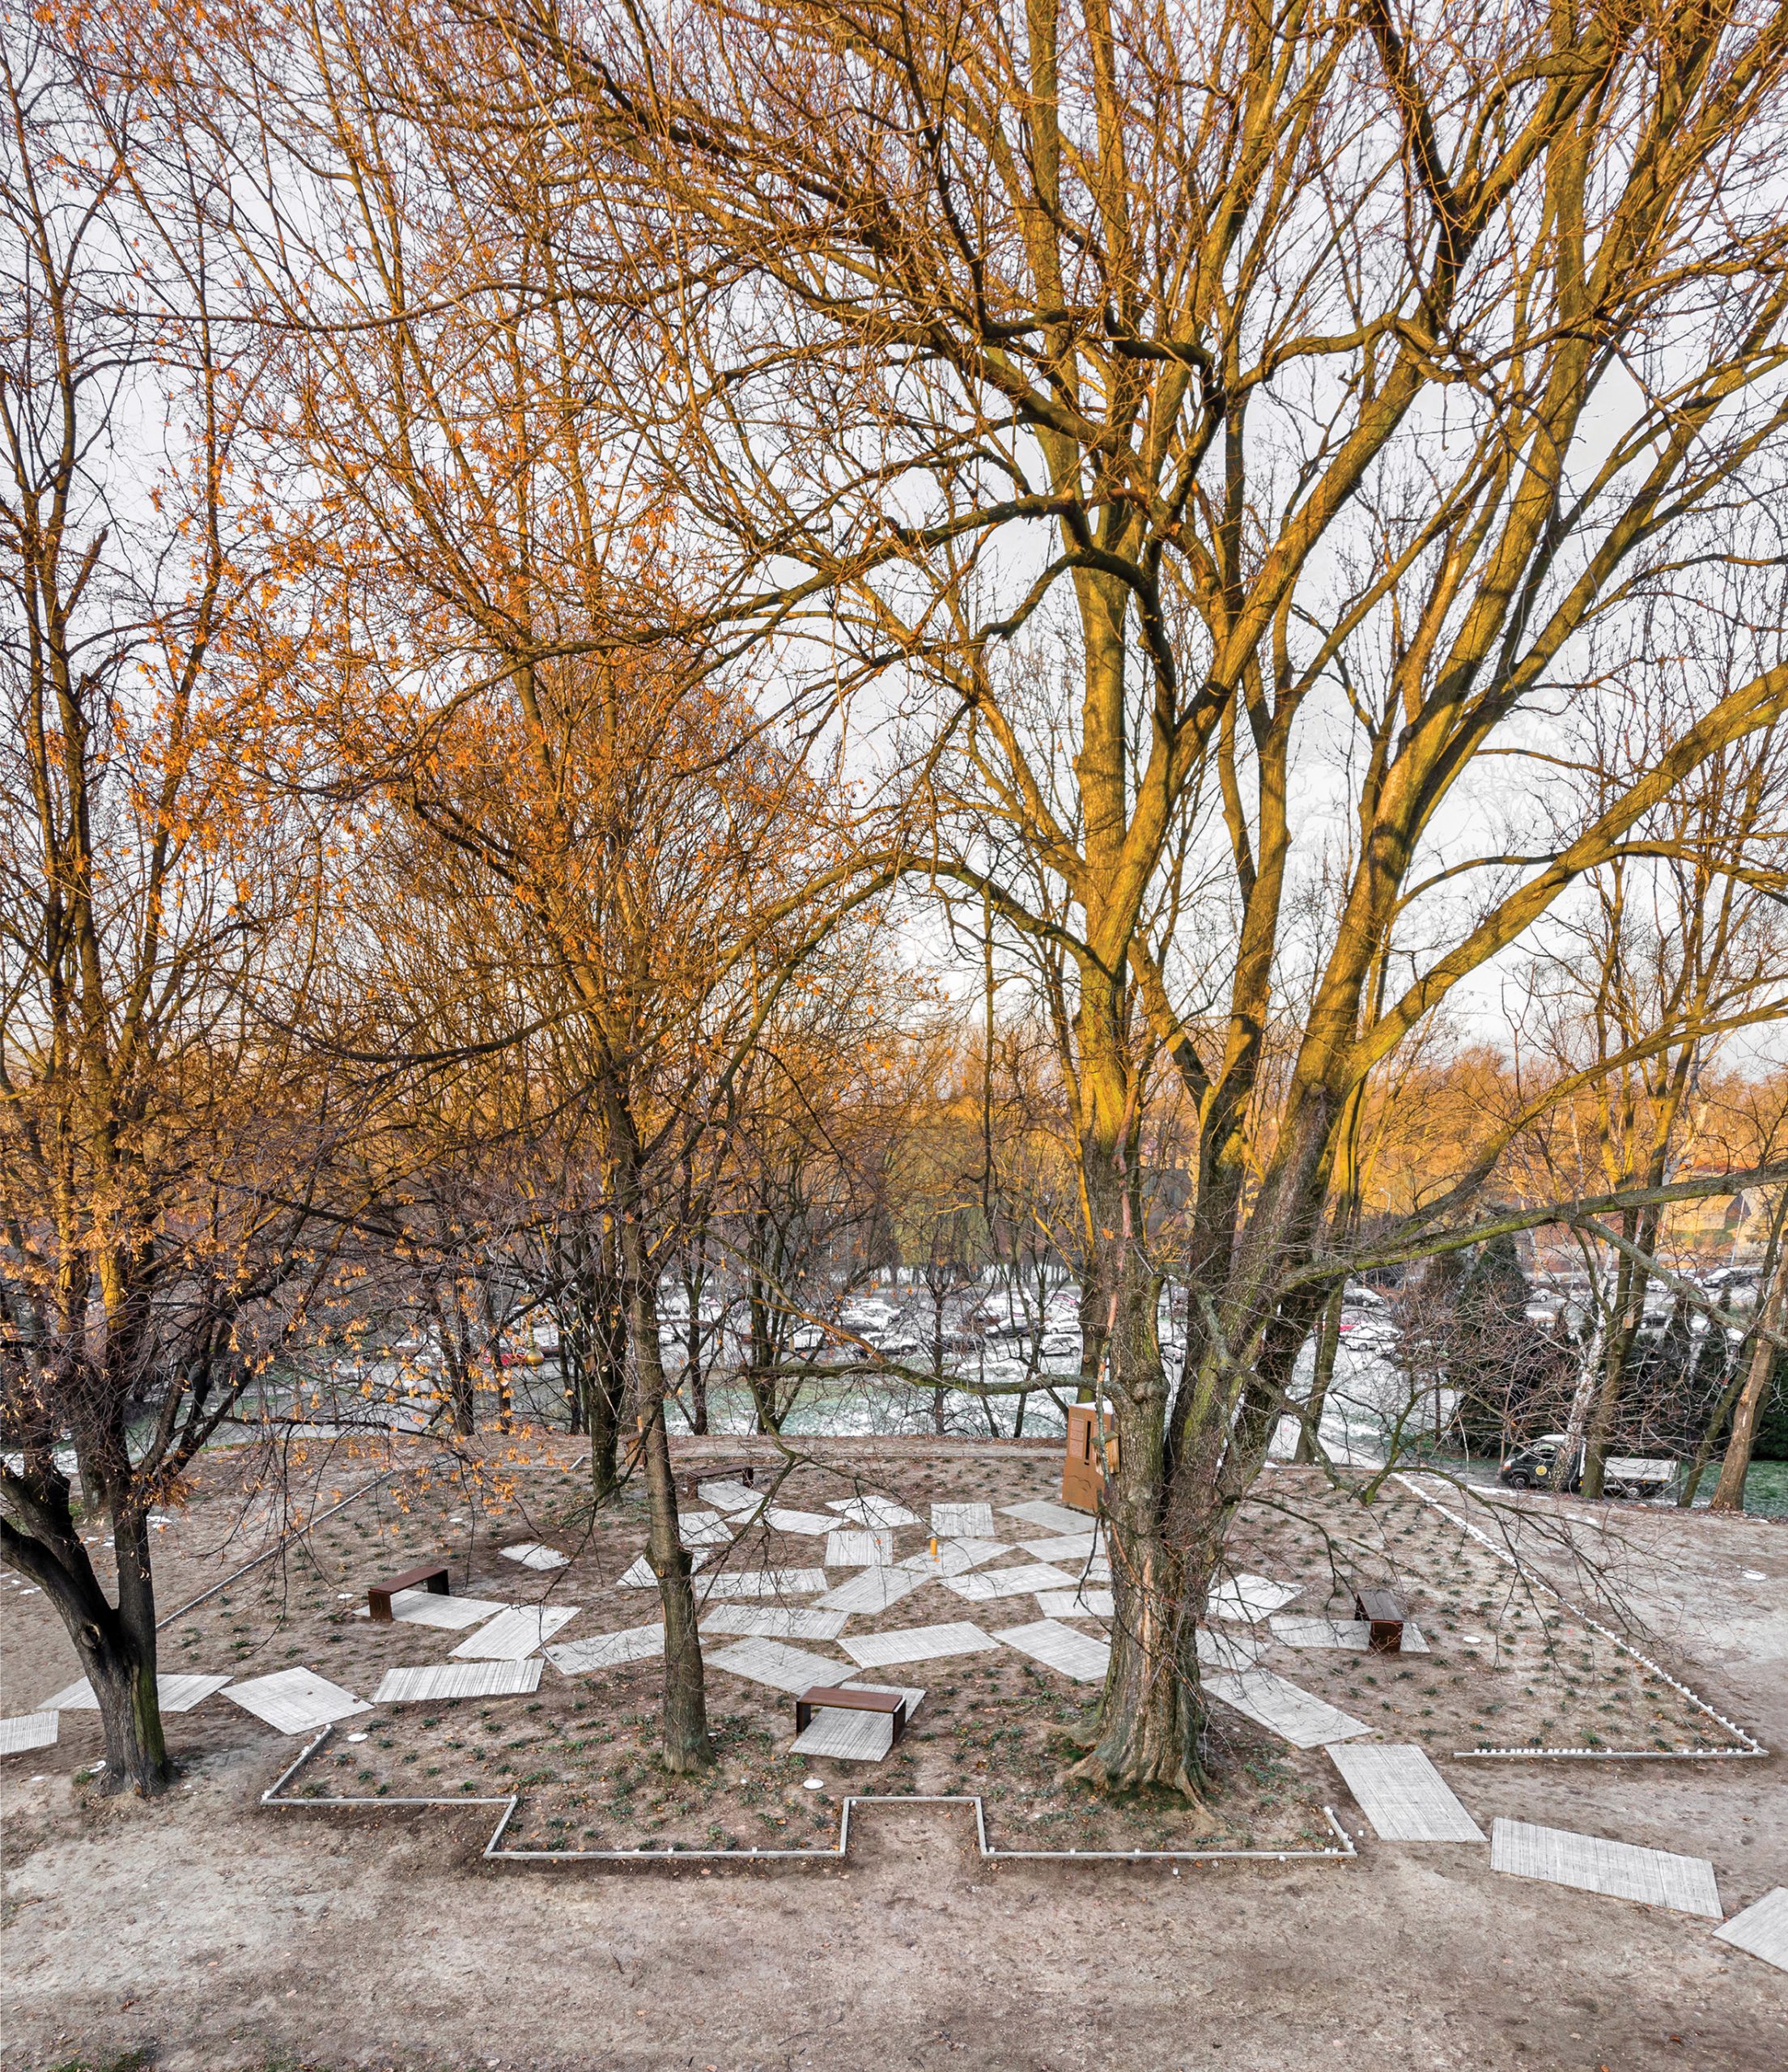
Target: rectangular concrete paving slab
x,y
1089,1603
176,1694
730,1496
954,1557
880,1513
453,1614
1249,1597
1402,1793
26,1730
870,1590
853,1737
962,1520
520,1631
760,1582
1299,1716
773,1622
1761,1928
859,1550
531,1555
1060,1647
1354,1633
607,1650
810,1525
782,1668
296,1701
438,1680
703,1529
1067,1552
1052,1518
917,1644
1231,1651
1560,1856
638,1575
983,1586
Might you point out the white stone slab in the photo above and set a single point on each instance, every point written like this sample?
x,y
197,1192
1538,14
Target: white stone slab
x,y
1762,1929
457,1680
1098,1570
296,1701
774,1622
1402,1794
1655,1877
520,1631
811,1525
732,1496
531,1555
423,1607
1088,1603
783,1668
871,1590
1231,1651
859,1550
954,1557
1066,1553
761,1582
962,1520
1052,1518
607,1650
916,1644
1354,1633
176,1694
26,1730
853,1737
1060,1647
981,1586
880,1513
1250,1597
639,1575
703,1529
1300,1715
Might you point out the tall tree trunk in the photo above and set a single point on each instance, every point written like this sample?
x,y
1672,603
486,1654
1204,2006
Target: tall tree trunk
x,y
1729,1491
686,1746
1328,1343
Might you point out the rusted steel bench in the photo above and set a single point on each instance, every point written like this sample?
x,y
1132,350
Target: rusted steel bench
x,y
843,1697
1384,1615
379,1595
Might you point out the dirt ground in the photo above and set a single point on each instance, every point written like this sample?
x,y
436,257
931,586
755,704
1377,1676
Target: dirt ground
x,y
205,1931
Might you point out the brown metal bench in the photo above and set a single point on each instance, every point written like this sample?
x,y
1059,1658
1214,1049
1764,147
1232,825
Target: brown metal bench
x,y
379,1595
844,1697
1384,1615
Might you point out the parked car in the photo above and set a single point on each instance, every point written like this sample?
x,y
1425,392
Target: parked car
x,y
1544,1465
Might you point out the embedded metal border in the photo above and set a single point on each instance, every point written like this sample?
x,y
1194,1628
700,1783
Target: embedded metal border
x,y
1751,1749
277,1799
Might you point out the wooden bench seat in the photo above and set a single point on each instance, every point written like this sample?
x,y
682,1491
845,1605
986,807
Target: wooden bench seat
x,y
379,1595
1384,1615
845,1697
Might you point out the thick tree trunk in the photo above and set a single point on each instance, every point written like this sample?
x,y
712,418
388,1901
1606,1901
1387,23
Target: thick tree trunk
x,y
1150,1714
116,1643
